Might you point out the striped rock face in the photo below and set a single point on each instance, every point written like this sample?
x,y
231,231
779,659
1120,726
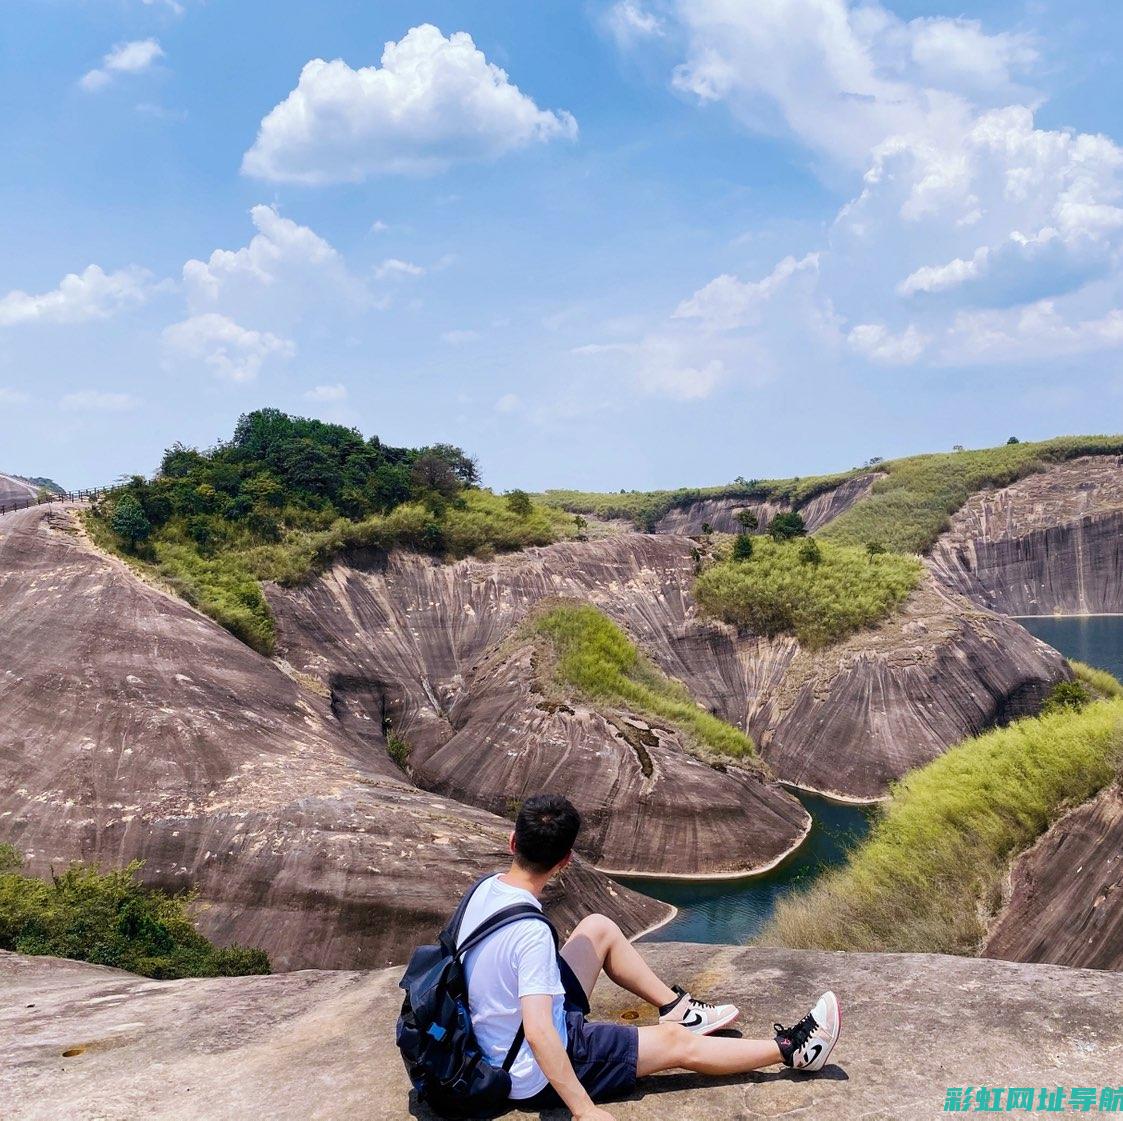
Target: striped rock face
x,y
135,728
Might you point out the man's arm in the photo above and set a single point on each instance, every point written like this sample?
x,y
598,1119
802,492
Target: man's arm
x,y
538,1023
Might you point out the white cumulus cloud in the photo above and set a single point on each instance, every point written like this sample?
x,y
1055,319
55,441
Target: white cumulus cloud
x,y
433,101
125,58
90,294
969,228
280,251
227,348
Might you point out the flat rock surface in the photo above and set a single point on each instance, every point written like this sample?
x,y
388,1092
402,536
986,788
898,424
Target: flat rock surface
x,y
1052,542
318,1046
135,728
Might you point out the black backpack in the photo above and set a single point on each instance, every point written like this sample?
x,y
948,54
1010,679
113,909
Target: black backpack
x,y
448,1069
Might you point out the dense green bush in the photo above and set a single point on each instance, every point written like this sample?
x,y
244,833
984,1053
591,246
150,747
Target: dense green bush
x,y
592,655
930,872
1069,696
108,918
783,589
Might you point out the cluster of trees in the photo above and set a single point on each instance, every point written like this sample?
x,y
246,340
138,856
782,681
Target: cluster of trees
x,y
785,526
280,471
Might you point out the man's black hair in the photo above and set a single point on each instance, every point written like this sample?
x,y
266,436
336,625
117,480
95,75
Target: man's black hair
x,y
545,830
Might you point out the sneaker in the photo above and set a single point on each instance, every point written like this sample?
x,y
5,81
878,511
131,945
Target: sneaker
x,y
700,1017
807,1045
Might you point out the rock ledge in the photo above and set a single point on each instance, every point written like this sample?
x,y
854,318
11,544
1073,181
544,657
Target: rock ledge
x,y
319,1045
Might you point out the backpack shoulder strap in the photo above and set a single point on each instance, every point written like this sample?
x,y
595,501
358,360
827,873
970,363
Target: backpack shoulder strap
x,y
501,919
453,926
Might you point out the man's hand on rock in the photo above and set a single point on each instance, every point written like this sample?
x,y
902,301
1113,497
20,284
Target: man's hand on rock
x,y
594,1113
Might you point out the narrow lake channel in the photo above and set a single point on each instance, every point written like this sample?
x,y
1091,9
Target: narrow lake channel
x,y
732,911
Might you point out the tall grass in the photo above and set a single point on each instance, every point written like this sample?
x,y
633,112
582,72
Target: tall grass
x,y
909,507
1101,683
593,656
777,591
929,874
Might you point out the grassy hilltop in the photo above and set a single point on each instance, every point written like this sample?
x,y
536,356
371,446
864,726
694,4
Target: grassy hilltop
x,y
906,511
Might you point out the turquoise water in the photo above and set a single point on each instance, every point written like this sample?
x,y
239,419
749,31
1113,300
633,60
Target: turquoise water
x,y
1095,639
735,910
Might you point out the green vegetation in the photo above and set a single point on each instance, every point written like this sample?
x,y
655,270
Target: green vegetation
x,y
786,525
1101,684
1066,696
129,521
742,547
910,505
593,656
286,495
929,874
110,919
645,508
398,749
820,595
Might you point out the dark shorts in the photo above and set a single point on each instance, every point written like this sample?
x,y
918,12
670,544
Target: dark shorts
x,y
604,1058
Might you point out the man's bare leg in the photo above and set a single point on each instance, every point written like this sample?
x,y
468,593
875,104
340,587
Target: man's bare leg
x,y
673,1047
598,945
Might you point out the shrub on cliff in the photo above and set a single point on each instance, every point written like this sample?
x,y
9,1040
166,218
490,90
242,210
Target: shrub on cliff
x,y
109,918
931,870
780,589
593,656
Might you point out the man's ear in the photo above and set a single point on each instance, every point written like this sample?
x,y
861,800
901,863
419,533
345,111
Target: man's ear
x,y
563,863
511,843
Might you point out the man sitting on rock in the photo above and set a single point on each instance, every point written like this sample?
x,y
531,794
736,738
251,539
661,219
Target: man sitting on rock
x,y
515,975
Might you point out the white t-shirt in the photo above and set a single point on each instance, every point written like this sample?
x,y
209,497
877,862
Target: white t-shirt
x,y
514,962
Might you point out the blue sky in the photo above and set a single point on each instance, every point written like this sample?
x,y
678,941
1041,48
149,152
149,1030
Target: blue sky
x,y
626,243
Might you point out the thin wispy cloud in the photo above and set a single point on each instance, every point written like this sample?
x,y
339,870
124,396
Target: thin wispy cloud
x,y
125,58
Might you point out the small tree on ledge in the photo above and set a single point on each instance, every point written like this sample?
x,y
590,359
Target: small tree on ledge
x,y
129,521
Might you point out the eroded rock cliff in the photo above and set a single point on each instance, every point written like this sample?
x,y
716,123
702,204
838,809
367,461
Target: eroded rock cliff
x,y
135,728
399,639
1052,542
92,1044
1066,892
721,513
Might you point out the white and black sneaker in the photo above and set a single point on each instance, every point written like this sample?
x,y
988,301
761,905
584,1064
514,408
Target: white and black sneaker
x,y
807,1045
700,1017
